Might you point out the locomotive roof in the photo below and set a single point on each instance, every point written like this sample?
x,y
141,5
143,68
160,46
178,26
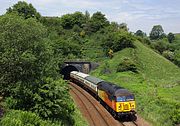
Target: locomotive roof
x,y
94,80
113,89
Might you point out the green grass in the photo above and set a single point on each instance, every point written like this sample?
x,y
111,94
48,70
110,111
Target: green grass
x,y
156,86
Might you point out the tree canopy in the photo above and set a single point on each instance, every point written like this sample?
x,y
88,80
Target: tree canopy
x,y
170,37
69,20
98,21
24,9
29,70
157,32
140,33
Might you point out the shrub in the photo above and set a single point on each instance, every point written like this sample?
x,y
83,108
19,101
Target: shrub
x,y
29,70
105,69
51,100
160,45
127,65
177,57
168,55
24,118
118,41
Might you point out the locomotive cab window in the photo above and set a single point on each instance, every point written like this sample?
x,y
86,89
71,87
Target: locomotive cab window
x,y
125,98
121,99
130,98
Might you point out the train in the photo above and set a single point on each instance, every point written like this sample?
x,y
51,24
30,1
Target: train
x,y
117,100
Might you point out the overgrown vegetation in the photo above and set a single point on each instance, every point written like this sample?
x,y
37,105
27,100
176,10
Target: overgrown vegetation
x,y
126,65
155,85
33,47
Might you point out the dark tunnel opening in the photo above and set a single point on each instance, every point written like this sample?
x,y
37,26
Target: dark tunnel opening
x,y
66,71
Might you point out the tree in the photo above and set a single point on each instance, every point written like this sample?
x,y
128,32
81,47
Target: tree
x,y
123,26
113,27
140,33
21,46
29,70
24,9
118,41
170,37
69,20
87,15
98,21
157,32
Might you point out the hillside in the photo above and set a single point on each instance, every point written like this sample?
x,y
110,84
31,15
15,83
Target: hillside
x,y
156,85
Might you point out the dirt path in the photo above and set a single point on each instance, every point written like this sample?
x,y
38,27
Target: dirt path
x,y
95,113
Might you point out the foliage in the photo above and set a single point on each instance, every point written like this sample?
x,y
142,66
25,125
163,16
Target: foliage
x,y
144,40
24,118
24,9
98,21
126,65
53,24
160,45
168,55
156,85
177,57
68,47
123,26
170,37
29,70
31,53
52,101
69,20
21,54
118,41
113,27
105,69
140,33
157,32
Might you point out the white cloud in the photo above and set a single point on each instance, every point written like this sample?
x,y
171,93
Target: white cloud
x,y
138,14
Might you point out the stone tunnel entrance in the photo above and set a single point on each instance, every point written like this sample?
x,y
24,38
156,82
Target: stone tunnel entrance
x,y
81,66
66,71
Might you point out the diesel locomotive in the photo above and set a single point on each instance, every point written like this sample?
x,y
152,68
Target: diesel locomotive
x,y
117,100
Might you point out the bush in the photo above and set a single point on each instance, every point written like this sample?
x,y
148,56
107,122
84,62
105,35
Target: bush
x,y
29,70
118,41
127,65
168,55
105,69
177,57
160,45
51,100
24,118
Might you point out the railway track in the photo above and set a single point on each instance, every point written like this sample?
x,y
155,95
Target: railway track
x,y
130,124
98,116
95,113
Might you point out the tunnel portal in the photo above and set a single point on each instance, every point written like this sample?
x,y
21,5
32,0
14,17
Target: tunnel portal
x,y
81,66
66,71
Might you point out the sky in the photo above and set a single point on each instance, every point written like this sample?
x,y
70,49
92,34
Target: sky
x,y
137,14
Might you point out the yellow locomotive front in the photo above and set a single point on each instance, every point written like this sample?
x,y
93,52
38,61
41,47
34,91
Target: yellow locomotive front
x,y
125,104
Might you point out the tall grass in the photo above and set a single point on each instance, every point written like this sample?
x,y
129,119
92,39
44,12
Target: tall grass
x,y
156,86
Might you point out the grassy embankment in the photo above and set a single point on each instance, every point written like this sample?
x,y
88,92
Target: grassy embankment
x,y
156,85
